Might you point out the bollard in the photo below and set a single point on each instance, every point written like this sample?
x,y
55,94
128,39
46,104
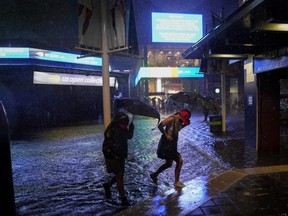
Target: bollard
x,y
7,201
215,123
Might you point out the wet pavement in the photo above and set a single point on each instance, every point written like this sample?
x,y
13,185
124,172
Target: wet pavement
x,y
60,171
251,191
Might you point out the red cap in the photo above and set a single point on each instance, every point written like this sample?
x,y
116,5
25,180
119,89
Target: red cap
x,y
185,116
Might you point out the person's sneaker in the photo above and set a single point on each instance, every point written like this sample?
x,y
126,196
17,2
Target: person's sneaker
x,y
154,178
125,202
179,184
107,190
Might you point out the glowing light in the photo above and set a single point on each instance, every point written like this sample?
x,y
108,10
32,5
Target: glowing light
x,y
47,55
168,72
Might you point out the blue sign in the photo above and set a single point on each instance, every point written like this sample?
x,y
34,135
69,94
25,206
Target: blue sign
x,y
264,65
47,55
14,52
168,72
189,72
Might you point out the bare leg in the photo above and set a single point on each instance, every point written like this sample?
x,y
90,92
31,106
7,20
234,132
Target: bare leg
x,y
111,181
120,188
179,163
120,184
163,167
108,185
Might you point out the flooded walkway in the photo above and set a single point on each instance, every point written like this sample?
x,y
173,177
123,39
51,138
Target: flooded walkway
x,y
60,171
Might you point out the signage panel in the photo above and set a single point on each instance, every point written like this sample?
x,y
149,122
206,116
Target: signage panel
x,y
168,72
47,55
69,79
176,28
264,65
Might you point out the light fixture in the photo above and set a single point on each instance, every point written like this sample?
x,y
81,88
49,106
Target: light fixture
x,y
242,44
273,27
217,90
228,56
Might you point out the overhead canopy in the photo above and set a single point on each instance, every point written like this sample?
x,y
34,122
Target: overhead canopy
x,y
257,27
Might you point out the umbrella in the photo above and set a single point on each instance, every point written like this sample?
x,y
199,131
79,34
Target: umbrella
x,y
208,103
195,99
185,97
136,107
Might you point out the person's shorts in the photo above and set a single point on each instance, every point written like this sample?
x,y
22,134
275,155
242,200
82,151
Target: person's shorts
x,y
115,165
178,156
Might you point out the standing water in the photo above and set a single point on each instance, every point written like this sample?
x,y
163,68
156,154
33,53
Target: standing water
x,y
60,171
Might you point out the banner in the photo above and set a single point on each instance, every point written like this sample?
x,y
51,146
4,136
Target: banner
x,y
89,24
69,79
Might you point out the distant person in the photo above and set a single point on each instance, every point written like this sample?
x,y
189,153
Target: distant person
x,y
115,150
217,106
154,102
206,114
167,148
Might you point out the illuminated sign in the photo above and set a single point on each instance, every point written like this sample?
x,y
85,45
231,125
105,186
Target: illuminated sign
x,y
176,28
189,72
47,55
168,72
69,79
14,52
264,65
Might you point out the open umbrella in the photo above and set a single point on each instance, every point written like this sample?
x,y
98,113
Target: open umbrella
x,y
195,99
208,103
185,97
136,107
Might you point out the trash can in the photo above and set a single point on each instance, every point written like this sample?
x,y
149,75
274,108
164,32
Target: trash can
x,y
215,123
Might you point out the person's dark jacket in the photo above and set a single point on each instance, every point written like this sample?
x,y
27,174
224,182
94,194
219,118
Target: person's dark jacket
x,y
115,145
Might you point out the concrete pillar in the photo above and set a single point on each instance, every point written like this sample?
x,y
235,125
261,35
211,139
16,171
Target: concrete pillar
x,y
223,94
105,65
251,104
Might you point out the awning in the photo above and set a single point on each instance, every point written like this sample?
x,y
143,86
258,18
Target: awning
x,y
257,27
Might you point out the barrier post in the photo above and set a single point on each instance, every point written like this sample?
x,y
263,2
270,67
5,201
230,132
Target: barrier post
x,y
215,123
7,200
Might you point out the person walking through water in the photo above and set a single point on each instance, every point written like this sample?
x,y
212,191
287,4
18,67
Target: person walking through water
x,y
167,148
115,150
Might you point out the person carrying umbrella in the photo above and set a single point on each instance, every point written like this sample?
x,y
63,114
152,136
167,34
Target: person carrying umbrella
x,y
115,150
167,148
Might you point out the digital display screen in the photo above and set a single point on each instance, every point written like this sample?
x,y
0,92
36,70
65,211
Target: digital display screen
x,y
63,57
176,28
47,55
168,72
14,52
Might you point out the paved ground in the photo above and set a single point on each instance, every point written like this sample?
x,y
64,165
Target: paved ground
x,y
260,190
60,171
261,194
253,191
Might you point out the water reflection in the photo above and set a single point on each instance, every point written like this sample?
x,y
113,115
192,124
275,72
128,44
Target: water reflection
x,y
60,171
231,151
177,201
